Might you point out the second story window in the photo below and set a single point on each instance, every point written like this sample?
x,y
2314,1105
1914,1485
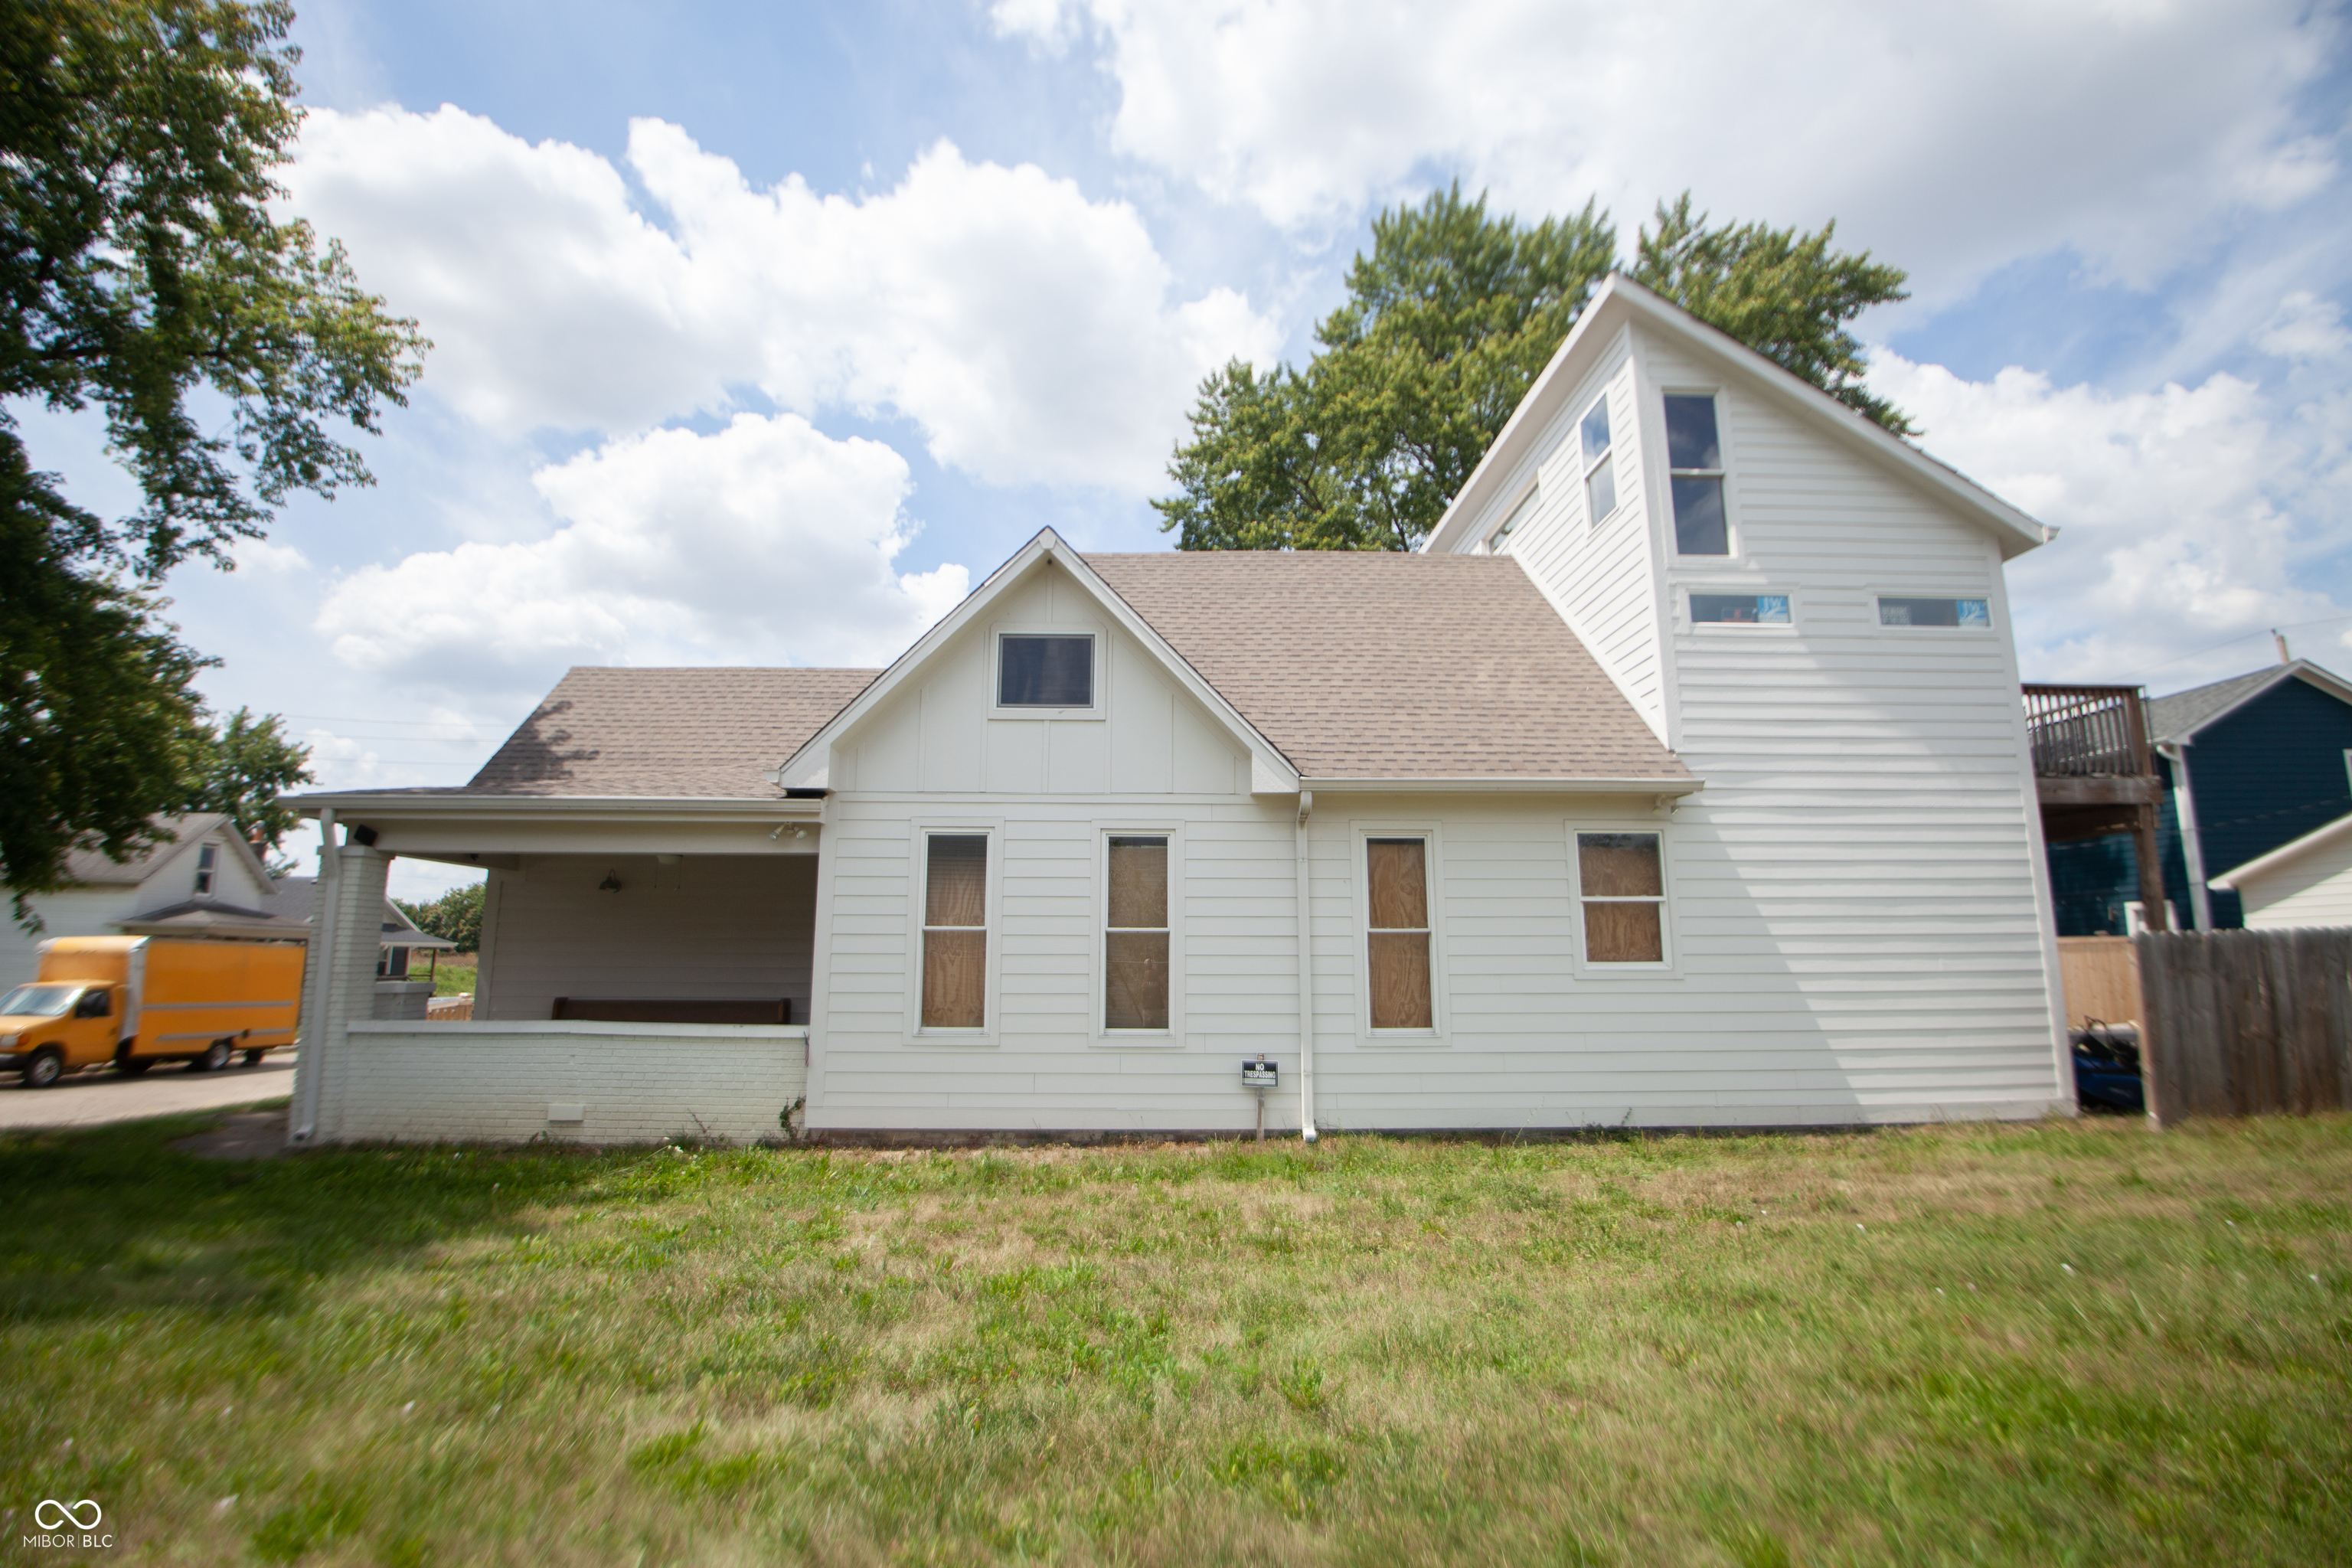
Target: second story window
x,y
1045,671
1893,612
208,862
1739,609
1694,456
1600,465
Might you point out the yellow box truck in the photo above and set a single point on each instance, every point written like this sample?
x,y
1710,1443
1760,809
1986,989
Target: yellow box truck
x,y
135,1001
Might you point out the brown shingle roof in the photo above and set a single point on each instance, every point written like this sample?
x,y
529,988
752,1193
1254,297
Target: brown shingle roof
x,y
1375,665
692,734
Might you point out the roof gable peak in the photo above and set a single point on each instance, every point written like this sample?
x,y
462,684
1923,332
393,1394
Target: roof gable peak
x,y
1271,773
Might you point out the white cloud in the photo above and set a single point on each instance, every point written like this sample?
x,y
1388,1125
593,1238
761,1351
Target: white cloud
x,y
1033,335
763,543
2304,326
1953,139
2192,515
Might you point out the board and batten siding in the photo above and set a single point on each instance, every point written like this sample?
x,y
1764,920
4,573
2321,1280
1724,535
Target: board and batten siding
x,y
706,927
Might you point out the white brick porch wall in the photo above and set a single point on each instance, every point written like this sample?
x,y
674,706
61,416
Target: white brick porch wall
x,y
504,1082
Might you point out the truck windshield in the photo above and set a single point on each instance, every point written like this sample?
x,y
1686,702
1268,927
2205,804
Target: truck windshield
x,y
37,1001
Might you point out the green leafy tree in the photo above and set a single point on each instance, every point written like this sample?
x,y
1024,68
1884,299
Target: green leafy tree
x,y
247,764
142,275
1784,294
1447,323
455,915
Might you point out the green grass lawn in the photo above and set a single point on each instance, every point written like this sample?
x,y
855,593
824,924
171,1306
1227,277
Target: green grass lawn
x,y
2064,1343
453,979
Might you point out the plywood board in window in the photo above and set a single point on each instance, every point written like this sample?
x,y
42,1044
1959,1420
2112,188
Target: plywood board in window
x,y
1399,882
1400,975
955,979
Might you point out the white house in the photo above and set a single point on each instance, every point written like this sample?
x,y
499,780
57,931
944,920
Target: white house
x,y
2304,882
1682,780
201,879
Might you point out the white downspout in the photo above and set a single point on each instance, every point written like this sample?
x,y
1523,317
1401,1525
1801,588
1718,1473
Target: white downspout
x,y
2192,841
311,1060
1307,1132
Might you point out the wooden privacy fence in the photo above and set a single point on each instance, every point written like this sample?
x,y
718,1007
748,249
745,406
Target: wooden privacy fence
x,y
2101,978
2238,1022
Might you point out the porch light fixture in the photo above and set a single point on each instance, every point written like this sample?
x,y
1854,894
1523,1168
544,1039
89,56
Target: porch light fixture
x,y
611,884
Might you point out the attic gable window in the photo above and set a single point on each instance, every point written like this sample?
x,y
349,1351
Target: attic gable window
x,y
1695,461
208,862
1042,671
1600,465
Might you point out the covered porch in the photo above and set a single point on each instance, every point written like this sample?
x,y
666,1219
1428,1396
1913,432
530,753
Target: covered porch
x,y
644,972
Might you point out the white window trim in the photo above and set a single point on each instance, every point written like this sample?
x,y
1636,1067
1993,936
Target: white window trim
x,y
1359,876
1587,467
1732,543
1098,709
1691,622
1103,1036
1671,967
207,876
918,895
1992,620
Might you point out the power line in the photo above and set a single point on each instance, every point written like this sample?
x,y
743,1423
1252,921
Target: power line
x,y
2244,637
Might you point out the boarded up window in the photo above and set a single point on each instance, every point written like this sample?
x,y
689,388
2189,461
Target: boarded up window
x,y
1135,935
1623,886
1396,872
955,930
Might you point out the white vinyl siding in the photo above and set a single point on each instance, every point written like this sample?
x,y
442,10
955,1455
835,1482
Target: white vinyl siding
x,y
1602,581
2313,889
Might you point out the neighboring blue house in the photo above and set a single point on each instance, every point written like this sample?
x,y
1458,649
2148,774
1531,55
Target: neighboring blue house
x,y
2267,758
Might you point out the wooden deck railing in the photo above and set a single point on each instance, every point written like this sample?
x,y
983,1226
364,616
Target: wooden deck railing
x,y
2089,732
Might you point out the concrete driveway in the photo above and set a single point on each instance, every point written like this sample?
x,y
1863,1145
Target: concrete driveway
x,y
92,1098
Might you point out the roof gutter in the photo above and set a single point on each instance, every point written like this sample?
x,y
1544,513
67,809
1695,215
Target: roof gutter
x,y
632,807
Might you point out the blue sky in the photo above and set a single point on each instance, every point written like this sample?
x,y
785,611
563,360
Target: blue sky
x,y
762,328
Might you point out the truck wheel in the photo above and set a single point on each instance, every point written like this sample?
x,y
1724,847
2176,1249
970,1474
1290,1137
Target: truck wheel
x,y
47,1066
252,1058
216,1057
128,1065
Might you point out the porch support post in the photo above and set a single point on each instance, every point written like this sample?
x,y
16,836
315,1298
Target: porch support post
x,y
342,989
2151,870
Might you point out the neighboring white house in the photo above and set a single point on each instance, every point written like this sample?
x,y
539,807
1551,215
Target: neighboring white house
x,y
2307,882
202,877
202,881
1682,780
